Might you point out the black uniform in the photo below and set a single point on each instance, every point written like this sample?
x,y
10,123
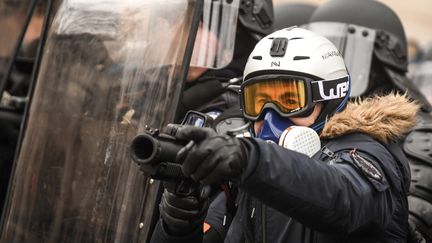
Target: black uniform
x,y
418,149
355,190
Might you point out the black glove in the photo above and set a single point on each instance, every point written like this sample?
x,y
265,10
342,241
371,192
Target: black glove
x,y
182,215
214,158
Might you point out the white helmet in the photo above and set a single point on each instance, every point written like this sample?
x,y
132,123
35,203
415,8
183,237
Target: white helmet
x,y
289,71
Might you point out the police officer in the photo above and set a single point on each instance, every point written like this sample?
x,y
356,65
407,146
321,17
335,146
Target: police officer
x,y
213,89
352,190
208,88
372,39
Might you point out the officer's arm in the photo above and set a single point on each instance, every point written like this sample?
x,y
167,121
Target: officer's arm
x,y
214,229
334,198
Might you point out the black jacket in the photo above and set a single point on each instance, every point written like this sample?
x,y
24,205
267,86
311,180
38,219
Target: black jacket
x,y
357,194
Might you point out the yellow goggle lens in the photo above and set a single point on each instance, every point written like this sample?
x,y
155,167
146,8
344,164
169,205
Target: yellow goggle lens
x,y
287,95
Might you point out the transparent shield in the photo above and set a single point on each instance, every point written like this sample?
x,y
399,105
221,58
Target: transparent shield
x,y
214,44
110,68
356,44
12,17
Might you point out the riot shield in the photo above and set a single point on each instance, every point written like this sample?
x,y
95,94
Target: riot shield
x,y
110,67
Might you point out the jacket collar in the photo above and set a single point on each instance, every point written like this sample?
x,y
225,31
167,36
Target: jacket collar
x,y
385,118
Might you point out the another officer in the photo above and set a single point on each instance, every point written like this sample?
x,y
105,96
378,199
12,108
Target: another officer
x,y
353,190
372,40
212,73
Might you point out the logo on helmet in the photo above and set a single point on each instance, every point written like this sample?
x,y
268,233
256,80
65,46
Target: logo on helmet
x,y
340,91
330,54
275,64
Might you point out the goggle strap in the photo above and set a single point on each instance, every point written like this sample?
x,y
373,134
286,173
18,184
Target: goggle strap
x,y
323,90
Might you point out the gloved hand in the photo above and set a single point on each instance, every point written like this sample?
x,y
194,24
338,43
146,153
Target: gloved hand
x,y
182,215
214,158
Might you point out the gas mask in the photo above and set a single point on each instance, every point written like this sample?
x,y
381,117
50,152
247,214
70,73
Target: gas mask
x,y
284,132
273,127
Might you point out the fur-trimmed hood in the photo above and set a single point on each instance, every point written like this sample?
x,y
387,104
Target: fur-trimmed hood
x,y
385,118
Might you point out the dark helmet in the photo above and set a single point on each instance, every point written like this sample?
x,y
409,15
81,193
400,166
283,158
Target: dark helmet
x,y
257,16
289,14
391,43
255,21
372,40
229,29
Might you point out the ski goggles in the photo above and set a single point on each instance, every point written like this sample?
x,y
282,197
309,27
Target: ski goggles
x,y
288,95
